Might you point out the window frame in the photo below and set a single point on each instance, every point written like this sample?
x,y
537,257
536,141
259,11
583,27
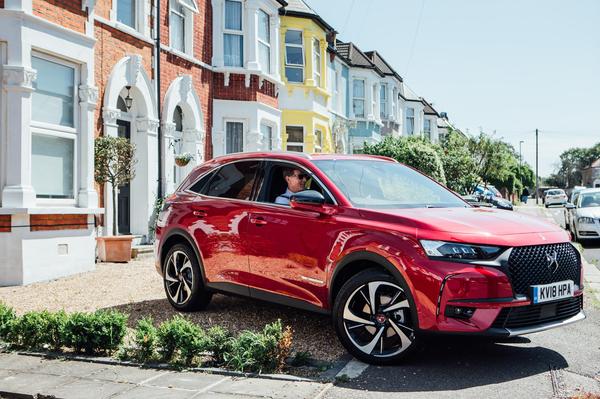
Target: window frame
x,y
362,99
136,12
184,17
233,120
294,66
411,117
214,172
427,132
261,42
65,132
320,141
383,102
295,143
317,60
228,31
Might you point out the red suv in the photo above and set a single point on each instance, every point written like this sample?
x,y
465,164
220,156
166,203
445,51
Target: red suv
x,y
385,250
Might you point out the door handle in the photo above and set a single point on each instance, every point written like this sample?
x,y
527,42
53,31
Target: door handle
x,y
199,213
257,220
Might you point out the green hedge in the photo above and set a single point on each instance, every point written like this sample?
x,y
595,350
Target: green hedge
x,y
178,341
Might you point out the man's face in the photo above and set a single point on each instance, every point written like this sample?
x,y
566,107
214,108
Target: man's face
x,y
297,181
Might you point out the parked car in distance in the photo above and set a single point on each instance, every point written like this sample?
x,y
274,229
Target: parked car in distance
x,y
574,191
386,251
584,215
555,196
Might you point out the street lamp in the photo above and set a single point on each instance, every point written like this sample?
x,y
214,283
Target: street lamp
x,y
521,163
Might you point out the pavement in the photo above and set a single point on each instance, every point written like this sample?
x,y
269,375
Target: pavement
x,y
559,363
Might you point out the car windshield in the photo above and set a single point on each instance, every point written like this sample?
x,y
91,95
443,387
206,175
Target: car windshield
x,y
590,200
375,184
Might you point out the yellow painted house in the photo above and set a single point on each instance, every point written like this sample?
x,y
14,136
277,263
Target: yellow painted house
x,y
305,121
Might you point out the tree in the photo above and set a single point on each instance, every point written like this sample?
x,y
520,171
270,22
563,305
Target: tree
x,y
114,163
459,165
412,151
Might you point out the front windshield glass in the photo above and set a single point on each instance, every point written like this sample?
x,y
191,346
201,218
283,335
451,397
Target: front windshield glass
x,y
375,184
590,200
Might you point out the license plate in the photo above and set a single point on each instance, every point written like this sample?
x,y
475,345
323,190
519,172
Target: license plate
x,y
552,292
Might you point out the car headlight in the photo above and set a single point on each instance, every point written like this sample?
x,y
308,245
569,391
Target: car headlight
x,y
453,250
585,220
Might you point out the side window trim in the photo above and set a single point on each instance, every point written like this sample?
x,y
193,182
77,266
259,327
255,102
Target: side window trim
x,y
214,172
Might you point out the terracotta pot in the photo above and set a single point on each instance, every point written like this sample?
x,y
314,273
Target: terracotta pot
x,y
114,248
181,162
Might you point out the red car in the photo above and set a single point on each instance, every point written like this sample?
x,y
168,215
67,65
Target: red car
x,y
385,250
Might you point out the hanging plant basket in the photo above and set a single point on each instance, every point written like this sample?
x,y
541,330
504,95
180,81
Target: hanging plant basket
x,y
183,159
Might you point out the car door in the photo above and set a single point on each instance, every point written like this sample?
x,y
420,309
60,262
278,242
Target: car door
x,y
220,214
288,248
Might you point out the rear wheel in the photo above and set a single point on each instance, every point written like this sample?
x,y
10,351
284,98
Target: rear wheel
x,y
373,317
183,281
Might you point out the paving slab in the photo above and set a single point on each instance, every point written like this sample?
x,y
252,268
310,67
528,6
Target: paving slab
x,y
13,361
132,375
269,388
143,392
83,389
185,380
67,367
30,383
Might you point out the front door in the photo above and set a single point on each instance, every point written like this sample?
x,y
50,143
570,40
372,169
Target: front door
x,y
123,199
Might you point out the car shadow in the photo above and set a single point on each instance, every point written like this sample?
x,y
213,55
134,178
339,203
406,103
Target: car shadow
x,y
451,363
590,244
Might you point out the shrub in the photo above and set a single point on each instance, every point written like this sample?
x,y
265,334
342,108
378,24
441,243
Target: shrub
x,y
145,339
35,330
259,352
7,317
218,340
181,340
102,331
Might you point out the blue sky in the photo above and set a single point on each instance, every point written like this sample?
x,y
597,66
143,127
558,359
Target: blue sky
x,y
510,66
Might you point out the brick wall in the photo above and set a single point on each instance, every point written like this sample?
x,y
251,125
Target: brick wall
x,y
5,223
237,90
58,222
66,13
1,3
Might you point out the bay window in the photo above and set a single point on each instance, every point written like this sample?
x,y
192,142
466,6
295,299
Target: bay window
x,y
234,140
294,56
383,101
295,138
317,62
53,128
358,98
267,133
234,36
410,121
126,12
264,41
427,129
177,26
374,100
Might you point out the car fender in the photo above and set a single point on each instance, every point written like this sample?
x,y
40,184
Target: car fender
x,y
176,231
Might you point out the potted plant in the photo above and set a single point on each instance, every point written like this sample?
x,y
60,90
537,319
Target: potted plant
x,y
114,163
183,159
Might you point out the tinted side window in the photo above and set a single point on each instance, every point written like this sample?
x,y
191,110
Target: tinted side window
x,y
234,180
200,184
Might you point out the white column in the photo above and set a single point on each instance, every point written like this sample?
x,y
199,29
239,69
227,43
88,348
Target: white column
x,y
144,187
275,63
251,37
218,15
87,196
17,82
370,110
168,131
109,117
19,5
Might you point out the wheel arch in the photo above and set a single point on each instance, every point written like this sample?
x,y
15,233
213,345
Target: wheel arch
x,y
359,261
179,236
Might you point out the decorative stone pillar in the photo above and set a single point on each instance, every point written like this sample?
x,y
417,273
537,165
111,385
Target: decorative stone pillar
x,y
251,37
87,196
308,56
18,85
275,55
168,161
218,41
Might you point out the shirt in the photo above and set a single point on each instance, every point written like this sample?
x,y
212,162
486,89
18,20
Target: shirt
x,y
284,199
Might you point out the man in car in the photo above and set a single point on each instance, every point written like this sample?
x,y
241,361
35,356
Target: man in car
x,y
296,182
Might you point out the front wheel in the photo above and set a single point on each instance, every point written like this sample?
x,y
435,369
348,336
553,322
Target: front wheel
x,y
373,317
183,281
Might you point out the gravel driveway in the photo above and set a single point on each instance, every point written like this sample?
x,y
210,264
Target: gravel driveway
x,y
135,288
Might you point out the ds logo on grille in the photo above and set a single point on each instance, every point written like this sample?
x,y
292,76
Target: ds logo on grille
x,y
552,261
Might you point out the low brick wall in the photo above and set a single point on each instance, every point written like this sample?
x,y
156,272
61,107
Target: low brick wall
x,y
58,222
5,223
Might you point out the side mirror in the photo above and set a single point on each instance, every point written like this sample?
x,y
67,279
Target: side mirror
x,y
310,200
569,205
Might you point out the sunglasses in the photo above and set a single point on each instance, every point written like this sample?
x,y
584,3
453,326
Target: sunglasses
x,y
301,176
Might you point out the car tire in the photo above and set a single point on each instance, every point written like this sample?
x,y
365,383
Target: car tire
x,y
385,336
182,280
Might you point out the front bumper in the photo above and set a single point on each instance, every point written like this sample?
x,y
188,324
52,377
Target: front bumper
x,y
512,332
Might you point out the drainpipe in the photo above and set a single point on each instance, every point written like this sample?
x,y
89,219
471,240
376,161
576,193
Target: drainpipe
x,y
158,100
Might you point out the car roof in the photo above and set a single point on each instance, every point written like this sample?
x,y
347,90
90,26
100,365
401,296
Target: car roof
x,y
589,191
297,156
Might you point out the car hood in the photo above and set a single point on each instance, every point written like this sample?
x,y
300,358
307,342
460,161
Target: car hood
x,y
477,221
593,212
